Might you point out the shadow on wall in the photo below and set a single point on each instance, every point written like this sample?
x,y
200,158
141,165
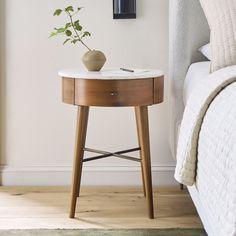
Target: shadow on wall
x,y
2,84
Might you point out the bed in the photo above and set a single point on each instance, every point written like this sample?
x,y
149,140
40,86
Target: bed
x,y
189,31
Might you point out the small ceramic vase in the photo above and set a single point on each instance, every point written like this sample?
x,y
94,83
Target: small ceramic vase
x,y
94,60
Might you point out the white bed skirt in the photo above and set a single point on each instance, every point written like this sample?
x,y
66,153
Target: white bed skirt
x,y
202,213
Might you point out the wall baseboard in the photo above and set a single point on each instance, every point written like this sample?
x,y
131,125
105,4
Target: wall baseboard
x,y
92,175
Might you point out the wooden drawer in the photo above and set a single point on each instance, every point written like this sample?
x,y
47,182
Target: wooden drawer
x,y
158,92
139,92
114,92
68,90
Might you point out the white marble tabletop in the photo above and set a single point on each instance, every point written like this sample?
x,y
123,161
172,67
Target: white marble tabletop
x,y
111,74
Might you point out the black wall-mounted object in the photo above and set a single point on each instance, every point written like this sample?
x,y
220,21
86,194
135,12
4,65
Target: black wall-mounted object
x,y
124,9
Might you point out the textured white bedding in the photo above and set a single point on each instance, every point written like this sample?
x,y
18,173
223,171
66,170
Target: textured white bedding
x,y
196,73
216,165
207,148
215,195
221,16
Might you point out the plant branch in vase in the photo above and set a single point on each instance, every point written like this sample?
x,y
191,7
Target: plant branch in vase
x,y
74,33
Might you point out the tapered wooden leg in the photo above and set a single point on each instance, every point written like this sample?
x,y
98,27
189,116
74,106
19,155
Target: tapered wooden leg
x,y
81,129
142,119
139,142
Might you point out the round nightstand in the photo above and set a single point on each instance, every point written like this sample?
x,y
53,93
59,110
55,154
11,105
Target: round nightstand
x,y
114,88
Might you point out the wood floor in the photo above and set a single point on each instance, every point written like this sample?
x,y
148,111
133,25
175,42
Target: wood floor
x,y
98,207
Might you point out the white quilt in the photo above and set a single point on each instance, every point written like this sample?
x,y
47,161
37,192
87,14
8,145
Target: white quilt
x,y
206,153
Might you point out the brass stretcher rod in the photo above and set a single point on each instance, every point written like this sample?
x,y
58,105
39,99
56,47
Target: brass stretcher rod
x,y
108,154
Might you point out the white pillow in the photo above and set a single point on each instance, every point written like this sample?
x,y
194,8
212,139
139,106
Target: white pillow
x,y
221,16
206,51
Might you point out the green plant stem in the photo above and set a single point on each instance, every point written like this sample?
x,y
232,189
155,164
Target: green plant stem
x,y
72,23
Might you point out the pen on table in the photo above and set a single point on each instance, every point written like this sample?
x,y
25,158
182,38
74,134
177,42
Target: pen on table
x,y
127,70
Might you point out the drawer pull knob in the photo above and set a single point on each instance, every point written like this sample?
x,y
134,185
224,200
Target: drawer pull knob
x,y
113,93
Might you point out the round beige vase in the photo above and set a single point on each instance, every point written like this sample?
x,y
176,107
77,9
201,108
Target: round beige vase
x,y
94,60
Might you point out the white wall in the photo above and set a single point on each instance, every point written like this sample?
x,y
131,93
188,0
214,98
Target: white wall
x,y
38,130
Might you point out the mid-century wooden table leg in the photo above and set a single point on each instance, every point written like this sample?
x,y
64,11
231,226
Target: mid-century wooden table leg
x,y
142,120
81,129
139,142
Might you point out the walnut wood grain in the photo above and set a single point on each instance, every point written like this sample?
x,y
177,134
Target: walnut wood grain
x,y
81,129
139,142
113,92
143,133
68,90
158,90
140,92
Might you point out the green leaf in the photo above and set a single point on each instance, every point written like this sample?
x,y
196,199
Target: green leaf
x,y
86,33
77,25
75,41
68,33
53,34
79,8
67,25
57,12
61,30
67,40
69,8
